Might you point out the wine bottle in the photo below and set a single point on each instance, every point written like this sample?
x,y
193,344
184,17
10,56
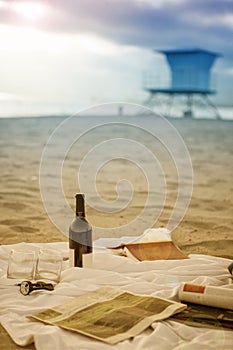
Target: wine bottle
x,y
80,236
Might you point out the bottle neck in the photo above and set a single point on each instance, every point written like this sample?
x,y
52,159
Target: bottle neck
x,y
80,206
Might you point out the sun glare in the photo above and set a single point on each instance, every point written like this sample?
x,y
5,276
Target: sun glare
x,y
30,10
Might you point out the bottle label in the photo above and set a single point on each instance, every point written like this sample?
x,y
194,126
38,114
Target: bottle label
x,y
80,244
81,238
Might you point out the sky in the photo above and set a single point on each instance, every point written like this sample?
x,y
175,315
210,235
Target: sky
x,y
84,52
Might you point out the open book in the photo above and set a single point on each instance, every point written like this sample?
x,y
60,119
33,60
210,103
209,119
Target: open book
x,y
164,250
153,244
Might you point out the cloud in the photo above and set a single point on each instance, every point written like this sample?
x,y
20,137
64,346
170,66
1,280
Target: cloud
x,y
146,23
141,23
116,25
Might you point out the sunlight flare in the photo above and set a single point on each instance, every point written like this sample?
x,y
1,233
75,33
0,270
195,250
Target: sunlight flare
x,y
30,10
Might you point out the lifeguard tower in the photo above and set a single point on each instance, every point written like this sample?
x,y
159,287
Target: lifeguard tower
x,y
190,81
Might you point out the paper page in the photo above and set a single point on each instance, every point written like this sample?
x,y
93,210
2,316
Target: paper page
x,y
110,314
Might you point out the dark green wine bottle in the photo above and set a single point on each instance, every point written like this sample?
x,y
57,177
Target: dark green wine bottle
x,y
80,236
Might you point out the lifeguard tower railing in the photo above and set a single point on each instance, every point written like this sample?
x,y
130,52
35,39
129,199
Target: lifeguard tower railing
x,y
190,82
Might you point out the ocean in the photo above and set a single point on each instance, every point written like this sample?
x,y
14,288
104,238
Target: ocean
x,y
10,108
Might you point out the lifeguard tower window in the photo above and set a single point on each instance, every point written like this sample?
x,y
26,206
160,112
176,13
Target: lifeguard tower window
x,y
190,78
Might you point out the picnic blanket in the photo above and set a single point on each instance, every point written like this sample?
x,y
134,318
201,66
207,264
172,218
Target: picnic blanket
x,y
158,278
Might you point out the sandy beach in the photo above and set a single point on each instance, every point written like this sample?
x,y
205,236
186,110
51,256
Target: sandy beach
x,y
206,228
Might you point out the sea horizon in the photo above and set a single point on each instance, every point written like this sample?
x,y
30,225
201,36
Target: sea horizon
x,y
54,110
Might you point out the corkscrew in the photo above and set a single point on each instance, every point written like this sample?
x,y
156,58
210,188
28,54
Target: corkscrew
x,y
26,287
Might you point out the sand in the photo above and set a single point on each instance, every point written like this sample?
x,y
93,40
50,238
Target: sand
x,y
206,228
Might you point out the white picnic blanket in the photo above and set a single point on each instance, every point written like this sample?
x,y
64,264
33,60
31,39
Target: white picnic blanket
x,y
160,278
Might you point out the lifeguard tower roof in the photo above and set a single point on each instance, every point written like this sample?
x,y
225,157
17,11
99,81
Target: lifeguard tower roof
x,y
188,51
190,69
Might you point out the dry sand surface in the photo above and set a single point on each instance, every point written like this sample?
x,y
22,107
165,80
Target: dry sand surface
x,y
206,228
